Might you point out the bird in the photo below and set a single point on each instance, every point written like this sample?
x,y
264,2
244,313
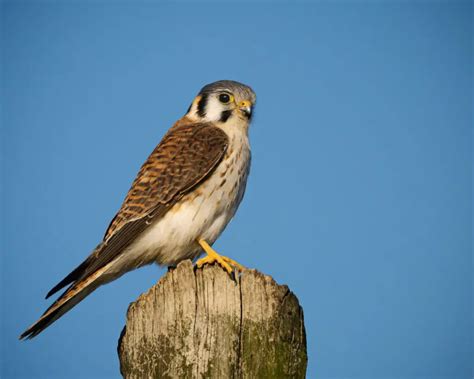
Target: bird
x,y
181,200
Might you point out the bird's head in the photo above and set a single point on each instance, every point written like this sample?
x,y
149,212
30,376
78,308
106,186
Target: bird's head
x,y
223,101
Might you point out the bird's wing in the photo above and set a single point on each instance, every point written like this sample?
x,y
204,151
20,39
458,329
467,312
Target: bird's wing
x,y
185,157
182,161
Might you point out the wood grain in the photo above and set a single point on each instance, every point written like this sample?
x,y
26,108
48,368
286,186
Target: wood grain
x,y
202,324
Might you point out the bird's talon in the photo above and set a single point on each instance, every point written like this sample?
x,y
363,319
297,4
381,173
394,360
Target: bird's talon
x,y
213,259
226,263
233,263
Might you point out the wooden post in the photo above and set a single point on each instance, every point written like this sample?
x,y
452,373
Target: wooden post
x,y
202,324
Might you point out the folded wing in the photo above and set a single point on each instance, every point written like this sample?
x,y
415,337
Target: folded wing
x,y
185,158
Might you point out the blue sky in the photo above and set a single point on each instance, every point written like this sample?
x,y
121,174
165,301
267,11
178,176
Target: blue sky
x,y
359,197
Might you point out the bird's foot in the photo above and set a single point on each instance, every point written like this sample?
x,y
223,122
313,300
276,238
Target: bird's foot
x,y
226,263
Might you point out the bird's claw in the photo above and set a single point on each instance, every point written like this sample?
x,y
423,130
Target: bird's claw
x,y
226,263
212,256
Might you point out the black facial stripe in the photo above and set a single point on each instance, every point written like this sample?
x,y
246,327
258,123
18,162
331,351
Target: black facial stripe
x,y
201,107
225,115
189,109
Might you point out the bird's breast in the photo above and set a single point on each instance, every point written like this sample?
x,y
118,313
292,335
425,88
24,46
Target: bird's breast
x,y
202,213
215,202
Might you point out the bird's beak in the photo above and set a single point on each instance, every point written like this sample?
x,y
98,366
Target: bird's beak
x,y
246,108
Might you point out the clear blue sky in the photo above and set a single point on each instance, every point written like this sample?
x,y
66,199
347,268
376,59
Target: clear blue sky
x,y
360,191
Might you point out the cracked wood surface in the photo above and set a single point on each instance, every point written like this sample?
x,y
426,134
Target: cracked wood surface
x,y
202,324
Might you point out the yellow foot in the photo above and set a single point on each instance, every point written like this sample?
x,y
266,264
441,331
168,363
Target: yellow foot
x,y
212,256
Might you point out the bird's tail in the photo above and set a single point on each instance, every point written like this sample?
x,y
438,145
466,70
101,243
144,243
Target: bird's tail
x,y
72,296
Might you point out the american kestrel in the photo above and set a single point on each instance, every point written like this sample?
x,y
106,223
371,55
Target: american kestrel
x,y
183,197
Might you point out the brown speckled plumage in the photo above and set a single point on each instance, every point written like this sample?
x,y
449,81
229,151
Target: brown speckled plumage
x,y
176,179
187,153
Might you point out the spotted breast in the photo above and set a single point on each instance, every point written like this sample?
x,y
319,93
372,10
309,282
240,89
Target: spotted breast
x,y
203,213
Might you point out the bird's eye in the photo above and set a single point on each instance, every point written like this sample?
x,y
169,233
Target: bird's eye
x,y
224,98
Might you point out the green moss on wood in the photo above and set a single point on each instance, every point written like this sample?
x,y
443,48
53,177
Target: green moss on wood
x,y
214,328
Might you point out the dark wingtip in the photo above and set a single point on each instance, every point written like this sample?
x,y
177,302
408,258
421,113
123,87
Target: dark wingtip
x,y
53,290
32,331
70,278
26,335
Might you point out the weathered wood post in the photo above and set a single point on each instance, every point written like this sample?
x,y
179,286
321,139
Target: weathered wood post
x,y
202,324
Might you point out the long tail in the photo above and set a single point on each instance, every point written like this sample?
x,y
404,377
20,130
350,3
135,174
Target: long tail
x,y
72,296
